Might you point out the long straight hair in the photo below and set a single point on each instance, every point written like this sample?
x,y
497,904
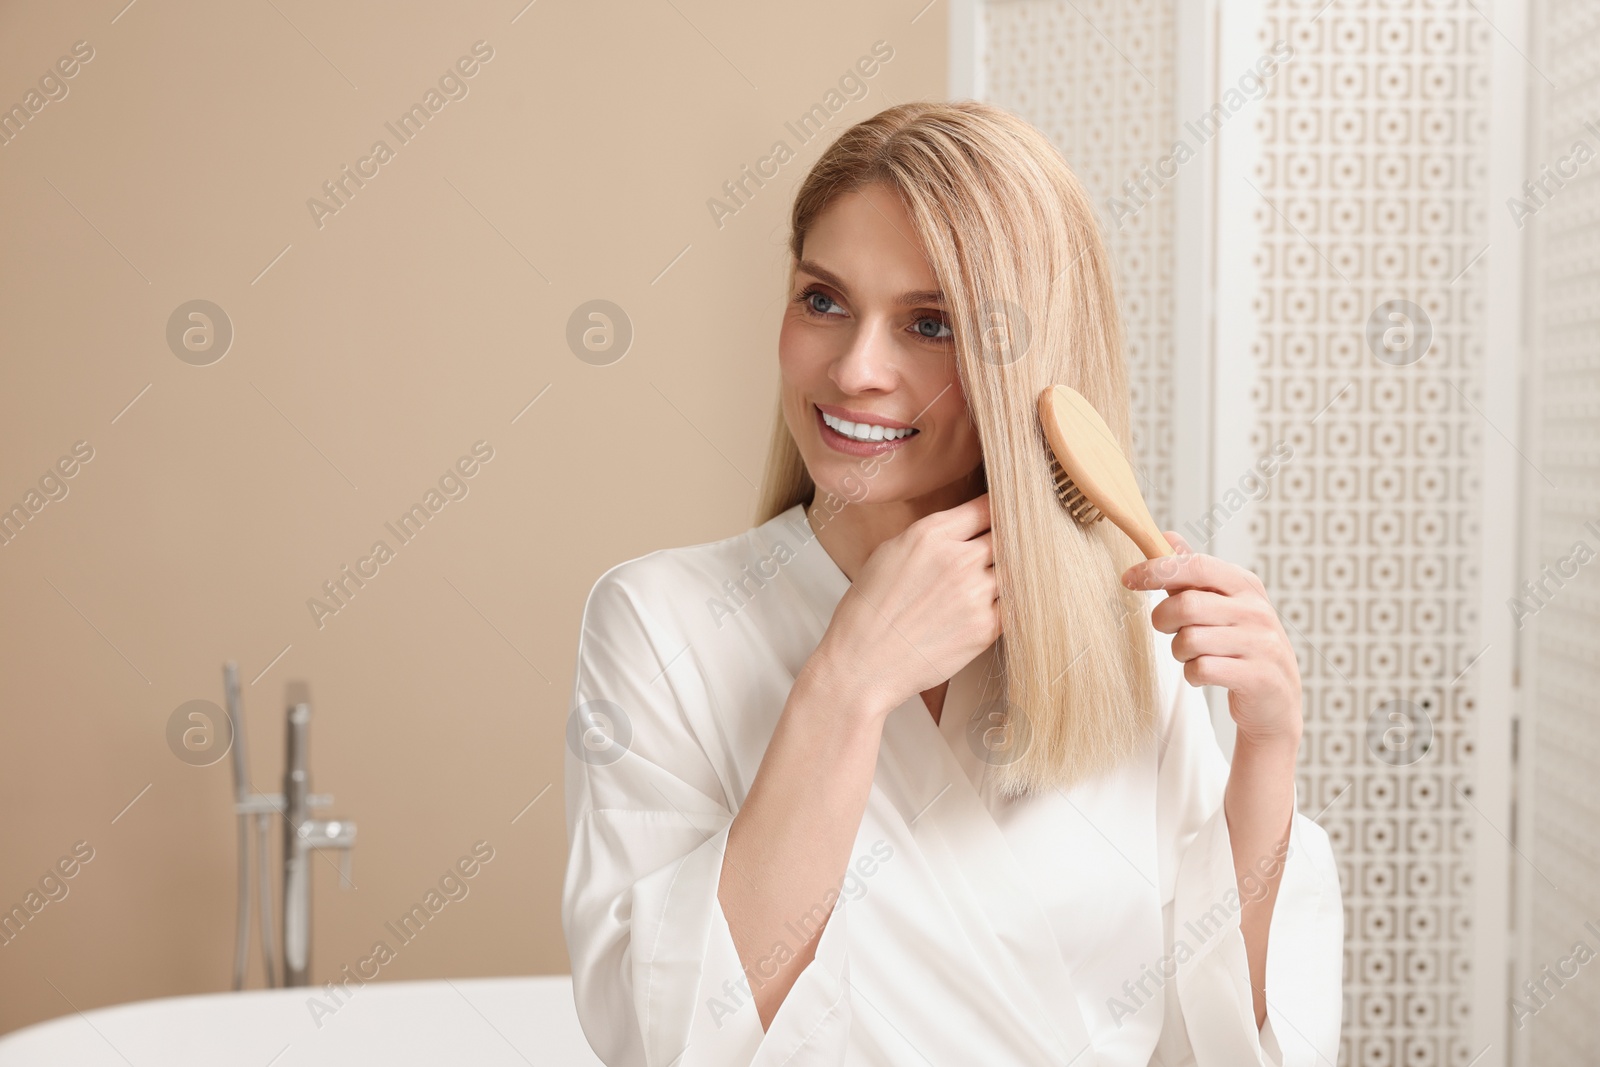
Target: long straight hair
x,y
1013,240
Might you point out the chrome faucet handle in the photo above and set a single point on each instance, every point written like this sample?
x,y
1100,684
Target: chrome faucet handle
x,y
259,804
270,803
332,834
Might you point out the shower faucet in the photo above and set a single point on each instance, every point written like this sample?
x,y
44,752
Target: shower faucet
x,y
303,834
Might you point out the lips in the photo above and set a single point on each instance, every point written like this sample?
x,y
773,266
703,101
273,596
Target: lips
x,y
867,417
849,445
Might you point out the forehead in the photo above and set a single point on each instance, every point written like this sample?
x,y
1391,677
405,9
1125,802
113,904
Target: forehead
x,y
866,238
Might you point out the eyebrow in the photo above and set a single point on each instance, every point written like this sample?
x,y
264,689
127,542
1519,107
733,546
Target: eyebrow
x,y
911,299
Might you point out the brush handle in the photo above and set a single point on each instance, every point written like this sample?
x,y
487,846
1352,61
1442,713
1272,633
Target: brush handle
x,y
1151,541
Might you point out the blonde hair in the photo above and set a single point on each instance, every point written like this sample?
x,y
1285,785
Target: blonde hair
x,y
1013,240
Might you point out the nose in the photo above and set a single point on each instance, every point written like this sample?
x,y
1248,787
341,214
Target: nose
x,y
867,363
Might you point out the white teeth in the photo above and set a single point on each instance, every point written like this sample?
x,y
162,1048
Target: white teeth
x,y
865,431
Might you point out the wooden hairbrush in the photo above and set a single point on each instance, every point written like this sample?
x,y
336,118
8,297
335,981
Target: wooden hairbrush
x,y
1092,477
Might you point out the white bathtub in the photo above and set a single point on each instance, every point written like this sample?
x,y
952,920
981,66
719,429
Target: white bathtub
x,y
480,1021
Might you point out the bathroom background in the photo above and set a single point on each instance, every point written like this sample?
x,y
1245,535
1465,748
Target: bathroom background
x,y
1355,237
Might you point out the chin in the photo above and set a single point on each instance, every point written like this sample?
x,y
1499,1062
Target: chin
x,y
847,482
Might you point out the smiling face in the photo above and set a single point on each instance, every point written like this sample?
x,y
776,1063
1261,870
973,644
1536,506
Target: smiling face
x,y
866,354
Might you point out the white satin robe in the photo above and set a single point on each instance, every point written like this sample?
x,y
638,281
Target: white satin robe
x,y
1096,927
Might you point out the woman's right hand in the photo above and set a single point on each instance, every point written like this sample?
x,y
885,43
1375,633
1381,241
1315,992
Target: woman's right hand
x,y
924,605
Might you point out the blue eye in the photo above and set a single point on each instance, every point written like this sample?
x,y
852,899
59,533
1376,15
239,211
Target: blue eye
x,y
809,299
818,303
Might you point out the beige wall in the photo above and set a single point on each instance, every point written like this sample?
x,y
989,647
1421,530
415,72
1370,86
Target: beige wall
x,y
417,320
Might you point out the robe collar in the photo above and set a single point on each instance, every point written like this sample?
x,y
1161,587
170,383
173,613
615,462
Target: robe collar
x,y
938,776
819,583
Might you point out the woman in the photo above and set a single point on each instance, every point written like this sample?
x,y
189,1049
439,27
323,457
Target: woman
x,y
903,774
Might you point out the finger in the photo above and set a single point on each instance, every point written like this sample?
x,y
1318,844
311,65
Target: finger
x,y
1197,607
967,520
1162,567
1224,671
1192,641
984,549
1193,570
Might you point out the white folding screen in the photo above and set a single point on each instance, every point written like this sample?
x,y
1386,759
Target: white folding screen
x,y
1373,163
1311,270
1555,991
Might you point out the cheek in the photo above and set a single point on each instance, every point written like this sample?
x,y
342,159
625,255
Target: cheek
x,y
802,353
788,350
962,434
797,375
971,448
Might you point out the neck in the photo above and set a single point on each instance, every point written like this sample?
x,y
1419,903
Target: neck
x,y
856,531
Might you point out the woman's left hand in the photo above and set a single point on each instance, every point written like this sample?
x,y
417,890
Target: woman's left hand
x,y
1225,632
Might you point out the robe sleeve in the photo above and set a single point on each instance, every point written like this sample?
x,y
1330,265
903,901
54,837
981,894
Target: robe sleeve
x,y
656,978
1305,941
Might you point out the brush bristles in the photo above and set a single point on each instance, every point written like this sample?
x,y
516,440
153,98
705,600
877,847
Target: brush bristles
x,y
1072,498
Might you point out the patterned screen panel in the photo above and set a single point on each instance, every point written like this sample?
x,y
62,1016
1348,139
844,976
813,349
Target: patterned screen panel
x,y
1096,77
1558,1010
1367,194
1371,325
